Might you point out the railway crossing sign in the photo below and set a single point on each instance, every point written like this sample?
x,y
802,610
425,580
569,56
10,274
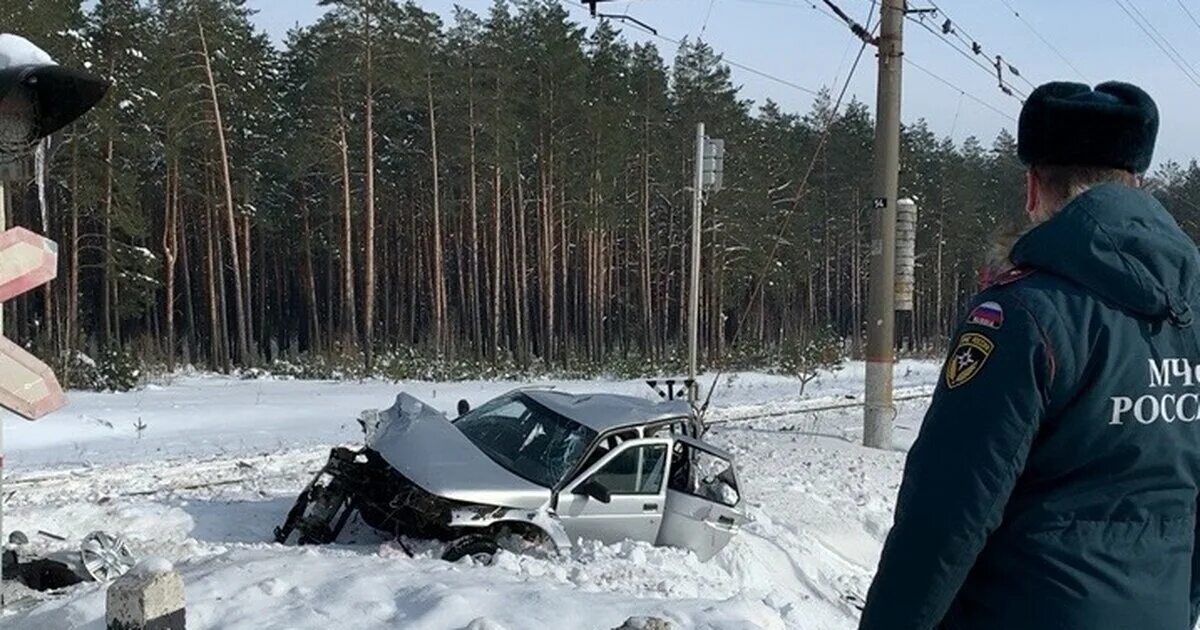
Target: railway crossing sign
x,y
27,261
28,386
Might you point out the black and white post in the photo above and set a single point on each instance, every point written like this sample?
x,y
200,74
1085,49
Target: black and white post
x,y
879,411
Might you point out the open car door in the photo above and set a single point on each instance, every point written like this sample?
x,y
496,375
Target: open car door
x,y
702,499
621,496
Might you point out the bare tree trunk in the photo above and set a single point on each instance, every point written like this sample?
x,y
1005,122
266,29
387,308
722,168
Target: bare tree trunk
x,y
223,308
520,288
252,350
369,219
939,277
473,278
106,303
439,281
170,243
188,308
497,258
310,282
647,303
238,303
349,325
73,264
211,286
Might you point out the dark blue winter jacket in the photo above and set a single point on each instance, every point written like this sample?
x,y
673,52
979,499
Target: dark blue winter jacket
x,y
1054,482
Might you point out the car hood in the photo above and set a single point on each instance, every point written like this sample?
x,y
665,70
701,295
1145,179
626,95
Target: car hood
x,y
421,443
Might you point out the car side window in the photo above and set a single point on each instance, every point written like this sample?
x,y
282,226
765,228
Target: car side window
x,y
703,474
638,470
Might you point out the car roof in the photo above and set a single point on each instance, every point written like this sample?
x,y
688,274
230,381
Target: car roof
x,y
602,412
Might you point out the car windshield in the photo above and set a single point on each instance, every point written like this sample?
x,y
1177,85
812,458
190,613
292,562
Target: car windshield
x,y
526,438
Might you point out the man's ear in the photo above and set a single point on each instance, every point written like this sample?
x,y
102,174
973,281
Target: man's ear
x,y
1031,194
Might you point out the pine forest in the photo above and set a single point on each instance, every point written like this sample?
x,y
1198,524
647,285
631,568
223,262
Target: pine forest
x,y
392,193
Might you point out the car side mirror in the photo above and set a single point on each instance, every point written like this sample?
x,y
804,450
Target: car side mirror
x,y
595,490
463,407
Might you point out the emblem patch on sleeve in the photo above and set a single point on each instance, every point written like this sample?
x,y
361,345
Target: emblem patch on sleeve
x,y
988,314
969,355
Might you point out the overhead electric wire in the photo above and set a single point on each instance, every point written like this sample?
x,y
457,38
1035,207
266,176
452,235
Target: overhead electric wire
x,y
1164,45
908,60
724,59
707,16
1189,13
798,5
991,71
972,45
1045,41
785,221
837,76
958,31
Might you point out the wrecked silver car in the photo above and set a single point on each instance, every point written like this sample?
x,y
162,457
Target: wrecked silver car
x,y
534,467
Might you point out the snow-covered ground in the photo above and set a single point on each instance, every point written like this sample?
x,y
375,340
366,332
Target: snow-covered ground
x,y
218,462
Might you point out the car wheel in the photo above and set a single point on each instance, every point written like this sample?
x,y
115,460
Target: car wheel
x,y
478,547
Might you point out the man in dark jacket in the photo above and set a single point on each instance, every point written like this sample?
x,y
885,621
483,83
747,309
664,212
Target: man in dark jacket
x,y
1054,482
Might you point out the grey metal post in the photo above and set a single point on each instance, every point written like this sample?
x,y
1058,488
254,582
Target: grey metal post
x,y
881,319
694,291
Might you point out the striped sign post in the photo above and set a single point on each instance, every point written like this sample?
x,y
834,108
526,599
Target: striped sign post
x,y
28,386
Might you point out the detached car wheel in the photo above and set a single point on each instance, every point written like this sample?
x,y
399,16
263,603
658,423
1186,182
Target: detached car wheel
x,y
478,547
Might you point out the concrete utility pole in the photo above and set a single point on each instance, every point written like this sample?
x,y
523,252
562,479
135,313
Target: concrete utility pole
x,y
694,290
881,319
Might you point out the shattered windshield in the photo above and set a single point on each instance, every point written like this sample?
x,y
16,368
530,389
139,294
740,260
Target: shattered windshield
x,y
526,438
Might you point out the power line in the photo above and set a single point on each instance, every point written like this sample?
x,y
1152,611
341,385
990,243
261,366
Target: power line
x,y
1189,13
1164,39
994,71
951,27
856,28
1045,41
707,16
641,26
961,91
1178,55
785,221
797,5
1164,46
850,44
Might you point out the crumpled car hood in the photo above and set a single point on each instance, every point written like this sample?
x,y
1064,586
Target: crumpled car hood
x,y
422,444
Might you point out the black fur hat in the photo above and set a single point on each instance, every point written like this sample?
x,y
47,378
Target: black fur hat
x,y
1070,124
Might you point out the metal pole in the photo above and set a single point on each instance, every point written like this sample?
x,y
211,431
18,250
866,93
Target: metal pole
x,y
694,292
881,317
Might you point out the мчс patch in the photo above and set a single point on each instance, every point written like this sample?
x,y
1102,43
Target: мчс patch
x,y
968,358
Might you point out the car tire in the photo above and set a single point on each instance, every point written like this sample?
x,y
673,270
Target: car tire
x,y
480,548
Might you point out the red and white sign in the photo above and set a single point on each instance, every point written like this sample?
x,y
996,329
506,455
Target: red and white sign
x,y
28,387
27,261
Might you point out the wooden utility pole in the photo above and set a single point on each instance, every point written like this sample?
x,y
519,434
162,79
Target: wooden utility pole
x,y
879,411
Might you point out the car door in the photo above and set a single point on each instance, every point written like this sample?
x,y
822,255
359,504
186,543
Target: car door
x,y
634,477
702,501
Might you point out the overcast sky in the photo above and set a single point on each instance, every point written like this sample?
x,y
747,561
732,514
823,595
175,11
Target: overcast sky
x,y
791,40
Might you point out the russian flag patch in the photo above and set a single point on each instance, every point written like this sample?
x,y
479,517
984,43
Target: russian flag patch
x,y
988,314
